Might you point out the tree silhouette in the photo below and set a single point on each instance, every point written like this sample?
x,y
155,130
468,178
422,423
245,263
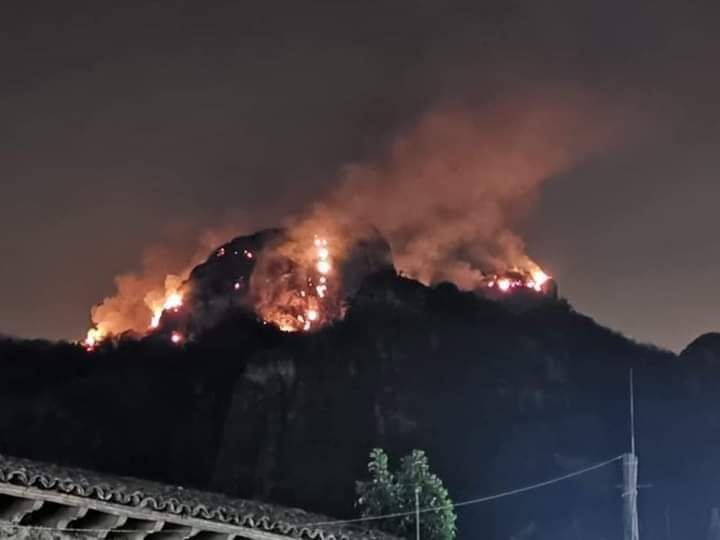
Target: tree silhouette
x,y
388,493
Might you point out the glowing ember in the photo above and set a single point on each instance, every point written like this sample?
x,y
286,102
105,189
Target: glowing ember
x,y
504,284
303,299
176,338
323,267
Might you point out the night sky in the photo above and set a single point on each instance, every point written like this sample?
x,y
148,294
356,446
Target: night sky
x,y
124,126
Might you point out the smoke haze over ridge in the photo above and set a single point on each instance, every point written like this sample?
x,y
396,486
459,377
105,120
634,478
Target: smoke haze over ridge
x,y
446,193
119,124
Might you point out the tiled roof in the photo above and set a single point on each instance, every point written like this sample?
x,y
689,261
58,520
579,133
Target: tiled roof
x,y
181,502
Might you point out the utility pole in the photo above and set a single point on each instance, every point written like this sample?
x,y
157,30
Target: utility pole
x,y
417,513
714,530
630,477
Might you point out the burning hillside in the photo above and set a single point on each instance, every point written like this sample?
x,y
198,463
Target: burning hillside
x,y
294,281
109,320
517,279
297,283
298,295
445,193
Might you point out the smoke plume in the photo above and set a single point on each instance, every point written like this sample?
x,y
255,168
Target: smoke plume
x,y
141,294
449,191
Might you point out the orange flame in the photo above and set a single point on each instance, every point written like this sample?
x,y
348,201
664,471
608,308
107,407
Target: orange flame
x,y
173,301
517,278
94,336
301,301
157,303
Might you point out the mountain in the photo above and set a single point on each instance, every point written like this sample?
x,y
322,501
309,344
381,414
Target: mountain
x,y
260,270
499,397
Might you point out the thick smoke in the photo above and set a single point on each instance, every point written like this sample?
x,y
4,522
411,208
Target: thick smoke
x,y
449,191
138,294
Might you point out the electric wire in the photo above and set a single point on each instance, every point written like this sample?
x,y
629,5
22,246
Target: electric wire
x,y
425,510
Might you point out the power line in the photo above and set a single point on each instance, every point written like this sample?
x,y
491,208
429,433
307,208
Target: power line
x,y
473,501
415,512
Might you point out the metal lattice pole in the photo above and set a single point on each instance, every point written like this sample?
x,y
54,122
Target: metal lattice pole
x,y
630,478
630,490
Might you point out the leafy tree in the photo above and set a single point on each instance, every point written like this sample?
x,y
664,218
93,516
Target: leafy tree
x,y
388,493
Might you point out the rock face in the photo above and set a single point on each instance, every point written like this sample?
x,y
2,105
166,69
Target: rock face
x,y
222,282
225,280
229,264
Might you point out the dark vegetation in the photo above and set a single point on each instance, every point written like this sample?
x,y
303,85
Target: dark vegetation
x,y
498,398
406,492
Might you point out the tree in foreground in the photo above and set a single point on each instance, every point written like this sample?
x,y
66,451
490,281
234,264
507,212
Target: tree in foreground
x,y
394,493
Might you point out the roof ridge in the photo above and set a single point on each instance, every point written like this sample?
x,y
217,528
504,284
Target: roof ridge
x,y
177,500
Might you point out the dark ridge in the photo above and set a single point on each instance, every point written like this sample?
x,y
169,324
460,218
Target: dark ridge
x,y
707,346
499,397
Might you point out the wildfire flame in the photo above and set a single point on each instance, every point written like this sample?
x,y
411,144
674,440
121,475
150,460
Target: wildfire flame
x,y
518,279
306,307
172,301
94,336
294,286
